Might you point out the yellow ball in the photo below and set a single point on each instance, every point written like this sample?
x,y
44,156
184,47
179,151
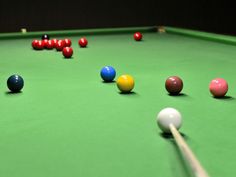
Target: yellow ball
x,y
125,83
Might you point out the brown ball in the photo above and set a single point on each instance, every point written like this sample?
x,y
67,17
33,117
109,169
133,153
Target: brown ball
x,y
174,85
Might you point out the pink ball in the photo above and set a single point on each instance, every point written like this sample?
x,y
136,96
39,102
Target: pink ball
x,y
218,87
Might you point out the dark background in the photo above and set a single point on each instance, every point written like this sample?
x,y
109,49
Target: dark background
x,y
206,15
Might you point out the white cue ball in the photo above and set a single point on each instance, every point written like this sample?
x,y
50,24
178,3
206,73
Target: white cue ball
x,y
169,116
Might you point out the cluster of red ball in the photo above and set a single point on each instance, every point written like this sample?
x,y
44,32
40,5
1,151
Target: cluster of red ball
x,y
60,45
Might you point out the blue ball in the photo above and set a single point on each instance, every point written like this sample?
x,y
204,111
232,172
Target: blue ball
x,y
108,73
15,83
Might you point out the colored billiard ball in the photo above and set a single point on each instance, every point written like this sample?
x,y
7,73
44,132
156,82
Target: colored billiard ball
x,y
39,45
108,73
34,43
45,36
138,36
218,87
67,52
49,44
60,45
174,85
15,83
83,42
169,116
67,42
54,42
125,83
45,43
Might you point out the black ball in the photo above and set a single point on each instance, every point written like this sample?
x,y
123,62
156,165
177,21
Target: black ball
x,y
45,36
15,83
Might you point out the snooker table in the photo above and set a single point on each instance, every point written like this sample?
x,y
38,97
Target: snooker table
x,y
66,122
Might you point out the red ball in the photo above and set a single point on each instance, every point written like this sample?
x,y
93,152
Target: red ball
x,y
83,42
218,87
67,42
138,36
49,44
45,43
34,43
67,52
54,42
60,45
174,85
39,45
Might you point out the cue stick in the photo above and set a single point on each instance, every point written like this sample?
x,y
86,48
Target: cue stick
x,y
188,154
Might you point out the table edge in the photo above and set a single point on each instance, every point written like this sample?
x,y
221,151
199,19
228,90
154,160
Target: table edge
x,y
227,39
78,32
